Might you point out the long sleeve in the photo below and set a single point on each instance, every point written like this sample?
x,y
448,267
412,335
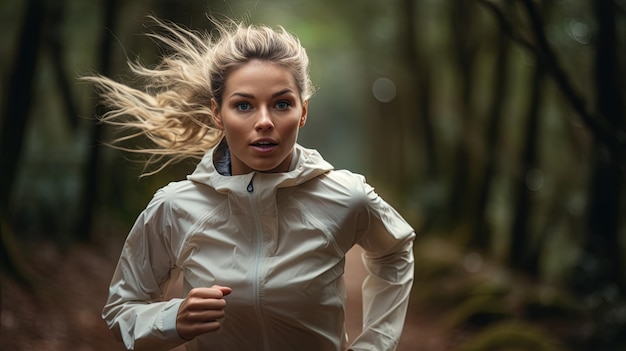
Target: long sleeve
x,y
387,241
134,310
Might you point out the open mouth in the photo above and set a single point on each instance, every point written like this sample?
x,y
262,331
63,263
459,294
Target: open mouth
x,y
264,144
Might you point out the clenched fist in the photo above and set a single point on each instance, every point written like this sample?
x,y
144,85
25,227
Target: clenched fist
x,y
200,311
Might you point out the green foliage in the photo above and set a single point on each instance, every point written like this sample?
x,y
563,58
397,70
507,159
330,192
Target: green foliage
x,y
478,310
549,302
472,293
512,336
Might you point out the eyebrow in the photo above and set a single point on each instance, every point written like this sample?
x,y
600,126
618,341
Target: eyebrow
x,y
250,96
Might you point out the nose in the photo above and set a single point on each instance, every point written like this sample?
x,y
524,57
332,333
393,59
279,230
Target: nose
x,y
264,120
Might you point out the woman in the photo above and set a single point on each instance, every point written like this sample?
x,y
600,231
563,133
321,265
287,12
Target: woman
x,y
260,230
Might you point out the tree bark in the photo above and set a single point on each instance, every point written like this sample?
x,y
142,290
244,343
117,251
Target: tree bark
x,y
15,116
480,237
459,197
419,75
91,171
55,48
602,243
606,132
522,254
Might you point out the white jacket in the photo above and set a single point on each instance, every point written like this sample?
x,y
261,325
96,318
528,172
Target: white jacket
x,y
279,241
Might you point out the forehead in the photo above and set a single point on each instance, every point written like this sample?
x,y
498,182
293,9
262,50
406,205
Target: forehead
x,y
260,75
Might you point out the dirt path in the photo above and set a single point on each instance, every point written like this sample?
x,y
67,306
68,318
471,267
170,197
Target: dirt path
x,y
73,288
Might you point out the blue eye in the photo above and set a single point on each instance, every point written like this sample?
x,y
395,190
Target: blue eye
x,y
243,106
283,105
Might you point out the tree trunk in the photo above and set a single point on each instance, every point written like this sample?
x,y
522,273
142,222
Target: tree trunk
x,y
419,76
419,165
480,231
54,41
15,115
462,23
605,132
600,271
522,254
18,100
91,172
602,243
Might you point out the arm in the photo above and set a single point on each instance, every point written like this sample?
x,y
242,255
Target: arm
x,y
388,242
134,310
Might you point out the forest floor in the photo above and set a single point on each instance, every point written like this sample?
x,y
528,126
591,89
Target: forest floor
x,y
64,313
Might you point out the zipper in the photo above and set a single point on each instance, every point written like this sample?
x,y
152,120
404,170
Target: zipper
x,y
256,279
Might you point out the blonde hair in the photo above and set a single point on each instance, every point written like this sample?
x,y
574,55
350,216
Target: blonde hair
x,y
173,108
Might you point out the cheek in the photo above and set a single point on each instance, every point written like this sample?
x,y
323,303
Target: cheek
x,y
290,132
234,127
295,125
233,135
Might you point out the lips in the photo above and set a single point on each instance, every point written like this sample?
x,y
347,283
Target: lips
x,y
264,144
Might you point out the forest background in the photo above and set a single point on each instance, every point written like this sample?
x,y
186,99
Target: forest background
x,y
497,128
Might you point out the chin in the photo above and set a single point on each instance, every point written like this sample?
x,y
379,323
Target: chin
x,y
270,170
273,168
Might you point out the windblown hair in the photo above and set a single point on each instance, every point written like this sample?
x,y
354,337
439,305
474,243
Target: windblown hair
x,y
173,108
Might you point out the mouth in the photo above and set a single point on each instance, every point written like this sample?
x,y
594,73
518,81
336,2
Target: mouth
x,y
264,144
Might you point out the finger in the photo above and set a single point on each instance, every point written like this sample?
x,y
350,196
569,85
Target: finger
x,y
224,289
202,316
211,326
201,304
190,331
207,293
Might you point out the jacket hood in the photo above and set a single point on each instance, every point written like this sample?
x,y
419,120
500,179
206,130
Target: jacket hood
x,y
214,170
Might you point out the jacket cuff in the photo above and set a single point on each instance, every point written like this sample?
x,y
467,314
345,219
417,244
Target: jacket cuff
x,y
168,321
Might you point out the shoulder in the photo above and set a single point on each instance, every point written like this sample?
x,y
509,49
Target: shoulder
x,y
177,190
178,196
173,192
344,183
345,177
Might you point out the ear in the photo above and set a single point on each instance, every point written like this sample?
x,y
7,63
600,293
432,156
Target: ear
x,y
217,117
305,110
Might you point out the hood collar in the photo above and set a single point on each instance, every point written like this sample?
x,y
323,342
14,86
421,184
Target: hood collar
x,y
214,170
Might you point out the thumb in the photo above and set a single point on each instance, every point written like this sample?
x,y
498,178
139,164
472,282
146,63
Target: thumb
x,y
224,289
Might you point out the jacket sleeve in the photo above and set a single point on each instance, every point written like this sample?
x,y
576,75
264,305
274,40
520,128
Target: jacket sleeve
x,y
134,310
387,240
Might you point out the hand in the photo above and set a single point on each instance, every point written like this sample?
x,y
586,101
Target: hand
x,y
200,311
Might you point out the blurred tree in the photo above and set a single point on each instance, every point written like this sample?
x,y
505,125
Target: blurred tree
x,y
605,122
418,133
480,235
53,39
524,249
601,243
464,23
600,126
600,271
91,170
418,87
15,114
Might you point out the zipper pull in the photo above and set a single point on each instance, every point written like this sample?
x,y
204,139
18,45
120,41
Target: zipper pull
x,y
250,188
